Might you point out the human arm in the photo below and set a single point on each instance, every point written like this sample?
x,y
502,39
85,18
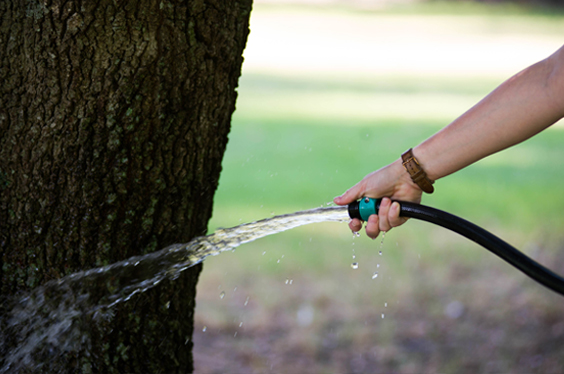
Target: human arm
x,y
521,107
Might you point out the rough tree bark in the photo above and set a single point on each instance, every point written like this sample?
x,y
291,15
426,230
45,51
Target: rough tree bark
x,y
114,117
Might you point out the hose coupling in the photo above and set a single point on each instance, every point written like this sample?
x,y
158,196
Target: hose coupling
x,y
364,208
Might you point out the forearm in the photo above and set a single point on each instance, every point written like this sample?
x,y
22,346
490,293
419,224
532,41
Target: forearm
x,y
521,107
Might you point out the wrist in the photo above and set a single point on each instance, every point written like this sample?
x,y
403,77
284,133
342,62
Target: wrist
x,y
429,162
417,172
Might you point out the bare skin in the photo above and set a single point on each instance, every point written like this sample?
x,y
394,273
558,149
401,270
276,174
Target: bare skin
x,y
521,107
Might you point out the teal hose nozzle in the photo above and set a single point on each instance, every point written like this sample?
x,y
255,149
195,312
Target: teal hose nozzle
x,y
364,208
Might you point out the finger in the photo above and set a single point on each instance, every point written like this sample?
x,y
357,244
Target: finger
x,y
384,224
352,194
355,225
394,215
372,228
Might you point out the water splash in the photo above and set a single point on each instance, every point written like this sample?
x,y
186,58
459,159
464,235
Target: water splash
x,y
52,320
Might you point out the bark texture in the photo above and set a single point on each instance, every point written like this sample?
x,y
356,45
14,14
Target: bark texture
x,y
114,117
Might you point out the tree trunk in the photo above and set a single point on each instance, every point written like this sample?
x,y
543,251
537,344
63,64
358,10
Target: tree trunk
x,y
114,117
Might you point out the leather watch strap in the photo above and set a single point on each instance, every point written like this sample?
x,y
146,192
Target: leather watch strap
x,y
416,172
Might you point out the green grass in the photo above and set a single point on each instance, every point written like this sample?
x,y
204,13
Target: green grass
x,y
280,160
298,140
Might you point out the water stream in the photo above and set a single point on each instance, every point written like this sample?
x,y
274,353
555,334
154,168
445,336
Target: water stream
x,y
47,320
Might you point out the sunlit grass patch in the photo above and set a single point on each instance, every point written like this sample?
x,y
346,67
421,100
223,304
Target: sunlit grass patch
x,y
353,105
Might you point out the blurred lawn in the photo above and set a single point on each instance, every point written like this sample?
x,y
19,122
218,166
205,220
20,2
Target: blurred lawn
x,y
292,302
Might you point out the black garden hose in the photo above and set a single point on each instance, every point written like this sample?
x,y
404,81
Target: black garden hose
x,y
363,208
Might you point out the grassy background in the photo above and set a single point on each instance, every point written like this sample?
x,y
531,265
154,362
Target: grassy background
x,y
303,134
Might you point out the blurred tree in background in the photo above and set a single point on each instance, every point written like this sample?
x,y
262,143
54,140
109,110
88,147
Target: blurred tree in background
x,y
380,3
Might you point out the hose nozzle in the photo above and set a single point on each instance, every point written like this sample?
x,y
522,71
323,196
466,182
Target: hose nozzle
x,y
364,208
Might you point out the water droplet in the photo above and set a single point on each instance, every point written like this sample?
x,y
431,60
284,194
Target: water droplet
x,y
234,335
222,295
246,301
305,315
454,309
382,315
263,253
241,324
167,305
354,256
386,305
375,275
354,265
377,265
204,329
287,281
356,234
380,253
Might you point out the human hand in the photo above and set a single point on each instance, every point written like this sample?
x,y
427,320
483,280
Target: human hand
x,y
390,182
